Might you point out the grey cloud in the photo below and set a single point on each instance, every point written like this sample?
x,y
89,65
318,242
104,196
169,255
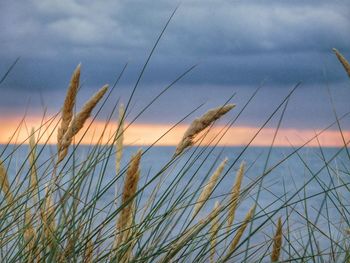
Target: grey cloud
x,y
236,44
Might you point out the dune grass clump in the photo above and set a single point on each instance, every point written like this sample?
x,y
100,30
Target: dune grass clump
x,y
193,205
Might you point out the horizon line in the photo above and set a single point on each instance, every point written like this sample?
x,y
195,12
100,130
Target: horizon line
x,y
146,134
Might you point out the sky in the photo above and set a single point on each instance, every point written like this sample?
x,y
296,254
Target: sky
x,y
236,46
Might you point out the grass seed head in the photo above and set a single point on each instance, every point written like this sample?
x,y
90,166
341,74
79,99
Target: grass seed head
x,y
130,188
343,61
277,242
199,125
78,122
68,106
33,170
208,188
240,231
235,193
120,138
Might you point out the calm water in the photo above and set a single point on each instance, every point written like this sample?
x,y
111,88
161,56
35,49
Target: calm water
x,y
284,182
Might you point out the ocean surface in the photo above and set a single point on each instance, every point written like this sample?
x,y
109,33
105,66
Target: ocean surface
x,y
296,183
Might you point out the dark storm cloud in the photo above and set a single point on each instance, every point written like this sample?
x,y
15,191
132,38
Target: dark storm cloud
x,y
237,45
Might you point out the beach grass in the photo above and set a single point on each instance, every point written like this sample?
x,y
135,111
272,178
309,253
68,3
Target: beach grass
x,y
57,207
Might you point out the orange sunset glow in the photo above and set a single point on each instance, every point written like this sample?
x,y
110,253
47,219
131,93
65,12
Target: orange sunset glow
x,y
148,133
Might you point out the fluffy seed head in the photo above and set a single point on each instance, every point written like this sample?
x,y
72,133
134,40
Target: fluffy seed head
x,y
119,146
235,194
208,188
88,255
199,125
240,231
29,235
130,187
78,122
48,218
343,61
68,106
120,138
277,242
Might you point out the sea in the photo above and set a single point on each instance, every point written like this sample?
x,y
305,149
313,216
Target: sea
x,y
307,187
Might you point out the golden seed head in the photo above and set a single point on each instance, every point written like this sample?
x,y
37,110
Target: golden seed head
x,y
120,138
277,242
240,230
78,122
235,193
199,125
130,188
343,61
68,106
208,188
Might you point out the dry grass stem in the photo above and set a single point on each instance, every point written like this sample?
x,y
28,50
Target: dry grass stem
x,y
343,61
120,138
277,242
214,231
119,145
68,106
199,125
78,122
130,188
208,188
33,170
235,192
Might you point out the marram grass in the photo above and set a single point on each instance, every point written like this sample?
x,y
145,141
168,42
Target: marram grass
x,y
63,206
